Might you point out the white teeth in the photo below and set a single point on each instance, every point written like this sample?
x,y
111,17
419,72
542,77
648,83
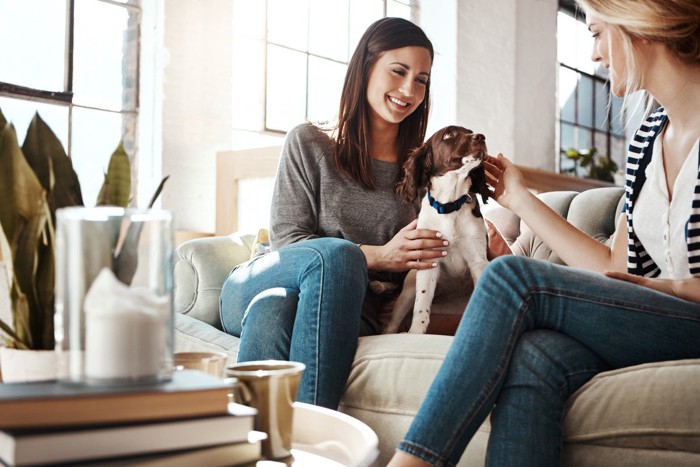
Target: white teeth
x,y
398,102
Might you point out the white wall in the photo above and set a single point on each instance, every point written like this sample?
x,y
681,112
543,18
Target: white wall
x,y
494,72
503,80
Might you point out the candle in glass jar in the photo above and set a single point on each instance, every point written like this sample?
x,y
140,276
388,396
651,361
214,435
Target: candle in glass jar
x,y
126,330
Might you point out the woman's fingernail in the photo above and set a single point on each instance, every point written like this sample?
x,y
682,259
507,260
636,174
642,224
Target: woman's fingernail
x,y
445,243
438,235
444,253
434,265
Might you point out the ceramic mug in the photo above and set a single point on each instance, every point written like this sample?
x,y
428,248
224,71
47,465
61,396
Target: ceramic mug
x,y
270,386
208,362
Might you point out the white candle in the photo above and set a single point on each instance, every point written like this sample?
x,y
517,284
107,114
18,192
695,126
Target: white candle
x,y
125,330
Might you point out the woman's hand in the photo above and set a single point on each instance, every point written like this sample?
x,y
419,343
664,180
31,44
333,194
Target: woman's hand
x,y
506,180
686,289
411,248
497,244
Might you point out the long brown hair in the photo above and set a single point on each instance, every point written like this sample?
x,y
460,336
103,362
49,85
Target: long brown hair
x,y
353,132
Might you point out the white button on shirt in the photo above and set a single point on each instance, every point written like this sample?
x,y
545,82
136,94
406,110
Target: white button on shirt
x,y
660,224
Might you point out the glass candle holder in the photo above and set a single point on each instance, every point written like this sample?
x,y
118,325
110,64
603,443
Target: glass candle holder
x,y
114,300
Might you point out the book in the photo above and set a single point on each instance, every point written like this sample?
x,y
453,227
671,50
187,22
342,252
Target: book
x,y
189,393
59,445
244,452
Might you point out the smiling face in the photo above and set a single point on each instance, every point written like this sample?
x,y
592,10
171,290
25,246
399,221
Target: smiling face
x,y
608,48
397,84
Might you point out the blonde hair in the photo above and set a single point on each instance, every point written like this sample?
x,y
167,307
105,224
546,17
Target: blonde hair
x,y
675,23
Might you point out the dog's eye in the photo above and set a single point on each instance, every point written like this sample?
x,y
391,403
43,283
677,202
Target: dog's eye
x,y
449,135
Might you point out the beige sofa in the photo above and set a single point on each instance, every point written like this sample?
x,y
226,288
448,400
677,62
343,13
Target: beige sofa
x,y
647,415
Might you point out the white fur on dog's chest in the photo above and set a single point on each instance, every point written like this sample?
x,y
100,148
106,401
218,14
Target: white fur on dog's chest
x,y
450,284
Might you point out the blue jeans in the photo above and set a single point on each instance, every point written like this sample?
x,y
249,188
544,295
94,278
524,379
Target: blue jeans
x,y
532,334
301,303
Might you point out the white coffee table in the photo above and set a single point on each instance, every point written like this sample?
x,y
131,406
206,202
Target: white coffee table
x,y
326,438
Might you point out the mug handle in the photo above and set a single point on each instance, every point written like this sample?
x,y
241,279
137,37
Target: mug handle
x,y
239,391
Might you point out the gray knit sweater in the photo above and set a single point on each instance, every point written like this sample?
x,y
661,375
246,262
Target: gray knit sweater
x,y
313,199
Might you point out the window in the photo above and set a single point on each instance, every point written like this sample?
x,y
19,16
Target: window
x,y
589,116
301,48
76,63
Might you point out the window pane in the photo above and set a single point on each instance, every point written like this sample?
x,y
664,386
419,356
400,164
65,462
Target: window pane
x,y
288,23
601,71
584,139
566,39
616,109
20,113
584,48
601,106
398,8
567,136
248,83
96,134
566,165
568,80
33,52
362,14
574,43
600,142
619,151
106,55
325,84
585,101
328,28
286,88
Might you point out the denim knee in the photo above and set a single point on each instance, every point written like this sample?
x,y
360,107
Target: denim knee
x,y
341,260
519,272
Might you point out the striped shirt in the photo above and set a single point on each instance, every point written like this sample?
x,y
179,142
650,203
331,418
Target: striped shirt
x,y
638,157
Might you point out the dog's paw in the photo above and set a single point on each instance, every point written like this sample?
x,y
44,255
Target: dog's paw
x,y
418,329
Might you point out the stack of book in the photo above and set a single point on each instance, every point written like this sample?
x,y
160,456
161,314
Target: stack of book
x,y
186,421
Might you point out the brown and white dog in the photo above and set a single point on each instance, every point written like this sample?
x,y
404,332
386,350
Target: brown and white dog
x,y
448,171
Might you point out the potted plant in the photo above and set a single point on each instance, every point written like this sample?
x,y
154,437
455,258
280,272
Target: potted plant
x,y
35,181
598,166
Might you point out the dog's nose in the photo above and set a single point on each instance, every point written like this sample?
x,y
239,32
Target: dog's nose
x,y
479,138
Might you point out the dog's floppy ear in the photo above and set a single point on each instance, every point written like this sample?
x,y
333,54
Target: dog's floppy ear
x,y
415,173
479,186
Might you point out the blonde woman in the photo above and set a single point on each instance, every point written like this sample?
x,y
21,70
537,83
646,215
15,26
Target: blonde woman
x,y
534,332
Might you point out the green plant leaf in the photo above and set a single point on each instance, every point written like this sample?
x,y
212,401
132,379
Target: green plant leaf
x,y
53,167
116,187
21,193
126,259
9,275
25,218
572,154
6,253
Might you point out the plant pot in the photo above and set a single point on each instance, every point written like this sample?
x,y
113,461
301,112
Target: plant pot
x,y
27,365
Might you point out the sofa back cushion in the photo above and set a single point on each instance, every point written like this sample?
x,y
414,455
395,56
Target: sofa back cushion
x,y
593,211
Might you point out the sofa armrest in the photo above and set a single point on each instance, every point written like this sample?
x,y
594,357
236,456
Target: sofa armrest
x,y
201,266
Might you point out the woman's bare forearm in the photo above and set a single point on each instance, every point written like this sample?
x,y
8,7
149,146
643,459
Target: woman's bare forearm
x,y
573,246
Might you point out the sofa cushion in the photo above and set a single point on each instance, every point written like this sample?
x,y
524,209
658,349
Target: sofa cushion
x,y
649,407
192,335
388,381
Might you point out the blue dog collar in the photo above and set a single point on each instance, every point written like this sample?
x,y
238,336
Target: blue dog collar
x,y
446,208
